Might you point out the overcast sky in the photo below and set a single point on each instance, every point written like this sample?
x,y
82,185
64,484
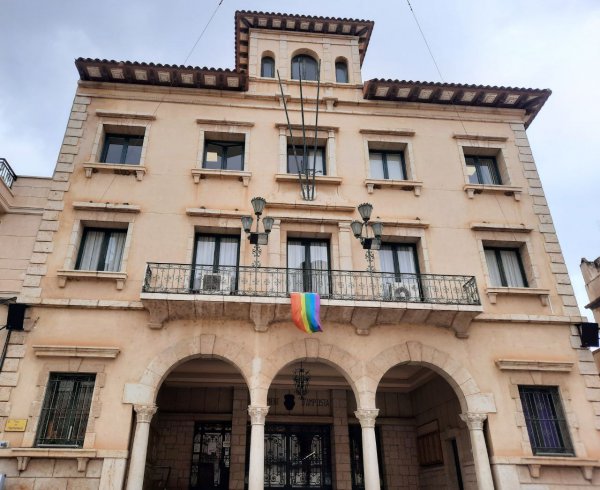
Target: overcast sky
x,y
520,43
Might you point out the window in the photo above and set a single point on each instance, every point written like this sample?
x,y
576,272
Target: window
x,y
216,260
400,271
267,67
317,164
221,155
545,419
483,170
308,264
306,66
122,149
101,250
341,72
66,408
388,165
505,267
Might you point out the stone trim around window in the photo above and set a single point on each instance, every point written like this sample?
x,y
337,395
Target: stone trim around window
x,y
400,140
77,351
100,219
524,245
487,146
66,366
212,129
115,122
561,380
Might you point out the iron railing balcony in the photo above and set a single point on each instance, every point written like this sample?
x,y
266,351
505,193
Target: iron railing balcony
x,y
259,295
330,284
7,175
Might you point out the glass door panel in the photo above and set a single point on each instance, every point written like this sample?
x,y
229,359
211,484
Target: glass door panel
x,y
211,456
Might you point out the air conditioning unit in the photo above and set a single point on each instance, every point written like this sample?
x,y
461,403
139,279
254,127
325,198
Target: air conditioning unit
x,y
216,283
403,291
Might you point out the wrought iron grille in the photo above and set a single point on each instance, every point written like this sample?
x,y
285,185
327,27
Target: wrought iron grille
x,y
66,409
545,419
332,284
7,174
297,456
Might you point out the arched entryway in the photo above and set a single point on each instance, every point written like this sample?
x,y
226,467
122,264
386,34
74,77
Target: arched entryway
x,y
307,441
198,435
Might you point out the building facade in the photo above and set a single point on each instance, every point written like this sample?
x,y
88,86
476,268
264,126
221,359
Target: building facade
x,y
158,348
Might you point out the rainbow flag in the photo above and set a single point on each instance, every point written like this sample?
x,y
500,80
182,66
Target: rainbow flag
x,y
305,311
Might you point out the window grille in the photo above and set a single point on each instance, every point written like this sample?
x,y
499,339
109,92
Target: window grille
x,y
66,408
545,419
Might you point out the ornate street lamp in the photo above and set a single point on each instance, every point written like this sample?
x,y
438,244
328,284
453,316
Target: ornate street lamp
x,y
257,238
368,243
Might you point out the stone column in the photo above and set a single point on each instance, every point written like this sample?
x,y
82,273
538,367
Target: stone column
x,y
256,477
345,238
369,443
137,463
483,471
274,246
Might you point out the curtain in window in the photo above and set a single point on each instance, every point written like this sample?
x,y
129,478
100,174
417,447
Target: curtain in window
x,y
228,259
394,166
92,246
376,165
319,166
296,257
114,252
493,268
512,268
319,264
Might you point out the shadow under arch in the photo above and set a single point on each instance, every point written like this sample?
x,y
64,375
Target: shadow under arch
x,y
467,391
201,346
307,350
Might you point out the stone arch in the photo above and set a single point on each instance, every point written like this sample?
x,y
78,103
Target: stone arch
x,y
146,389
310,349
306,52
469,395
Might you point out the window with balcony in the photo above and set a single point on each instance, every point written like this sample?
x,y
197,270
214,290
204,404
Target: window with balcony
x,y
66,408
216,259
223,155
387,165
545,419
267,67
305,66
505,267
483,170
308,266
297,159
101,249
122,149
341,72
400,271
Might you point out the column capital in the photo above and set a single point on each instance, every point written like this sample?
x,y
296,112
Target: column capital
x,y
344,226
474,420
367,417
257,414
144,413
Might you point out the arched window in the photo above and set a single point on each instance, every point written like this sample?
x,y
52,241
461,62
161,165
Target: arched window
x,y
305,65
267,67
341,72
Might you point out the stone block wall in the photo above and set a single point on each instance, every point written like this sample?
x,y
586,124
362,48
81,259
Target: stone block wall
x,y
51,474
399,454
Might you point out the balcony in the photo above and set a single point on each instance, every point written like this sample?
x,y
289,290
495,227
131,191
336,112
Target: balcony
x,y
260,294
7,175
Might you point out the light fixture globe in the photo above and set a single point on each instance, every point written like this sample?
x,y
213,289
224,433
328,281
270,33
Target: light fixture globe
x,y
377,227
365,210
247,223
258,205
356,228
268,223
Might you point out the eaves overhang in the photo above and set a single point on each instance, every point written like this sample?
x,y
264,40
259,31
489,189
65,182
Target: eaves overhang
x,y
133,72
330,26
528,99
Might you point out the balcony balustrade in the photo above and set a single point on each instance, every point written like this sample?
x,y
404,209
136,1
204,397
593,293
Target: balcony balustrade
x,y
7,175
360,298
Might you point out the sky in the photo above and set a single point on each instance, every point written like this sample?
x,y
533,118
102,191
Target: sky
x,y
519,43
